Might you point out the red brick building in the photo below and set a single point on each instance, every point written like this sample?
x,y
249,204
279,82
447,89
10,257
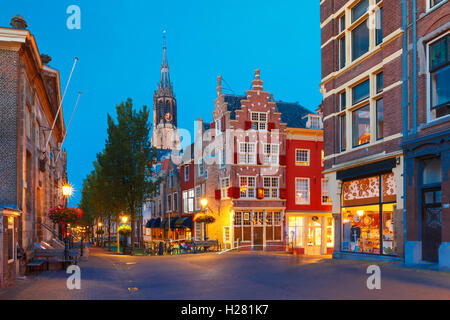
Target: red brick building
x,y
426,142
362,107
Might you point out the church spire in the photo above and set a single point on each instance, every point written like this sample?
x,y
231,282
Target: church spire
x,y
165,77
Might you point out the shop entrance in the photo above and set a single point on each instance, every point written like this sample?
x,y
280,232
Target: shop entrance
x,y
314,243
258,239
431,224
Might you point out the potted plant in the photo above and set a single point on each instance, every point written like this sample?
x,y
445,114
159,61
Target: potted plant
x,y
125,230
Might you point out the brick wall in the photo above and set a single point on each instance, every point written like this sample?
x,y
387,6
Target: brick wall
x,y
9,61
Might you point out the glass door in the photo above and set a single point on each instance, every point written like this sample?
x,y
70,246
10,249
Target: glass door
x,y
314,237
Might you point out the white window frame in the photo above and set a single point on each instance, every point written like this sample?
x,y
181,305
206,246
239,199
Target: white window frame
x,y
224,185
255,118
244,189
244,155
309,191
301,163
273,187
430,7
273,157
325,192
197,196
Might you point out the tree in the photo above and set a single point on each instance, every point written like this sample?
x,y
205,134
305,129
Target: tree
x,y
127,160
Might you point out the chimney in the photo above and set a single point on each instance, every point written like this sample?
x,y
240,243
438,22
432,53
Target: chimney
x,y
18,22
257,83
45,59
219,85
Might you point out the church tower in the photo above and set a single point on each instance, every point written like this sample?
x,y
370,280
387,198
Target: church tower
x,y
165,133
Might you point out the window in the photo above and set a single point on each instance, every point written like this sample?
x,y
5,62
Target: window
x,y
206,174
296,232
159,207
186,173
302,157
271,154
247,153
271,187
380,119
342,55
360,40
342,23
314,122
379,82
169,203
435,2
175,201
302,190
259,121
247,187
361,126
188,201
323,158
200,167
171,179
238,219
218,127
342,100
361,92
359,10
224,185
198,195
10,235
379,26
439,70
343,133
325,195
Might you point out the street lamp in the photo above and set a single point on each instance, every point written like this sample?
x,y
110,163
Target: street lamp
x,y
67,193
124,219
204,204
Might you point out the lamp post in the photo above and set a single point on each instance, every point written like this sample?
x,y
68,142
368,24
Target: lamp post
x,y
204,204
99,234
124,219
67,193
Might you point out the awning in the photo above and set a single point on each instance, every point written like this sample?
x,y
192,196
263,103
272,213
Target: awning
x,y
179,222
156,223
149,223
164,224
187,222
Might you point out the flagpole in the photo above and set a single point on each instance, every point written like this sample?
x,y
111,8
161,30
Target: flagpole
x,y
60,104
68,126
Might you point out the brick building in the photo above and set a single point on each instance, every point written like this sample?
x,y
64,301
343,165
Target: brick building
x,y
426,141
31,171
362,107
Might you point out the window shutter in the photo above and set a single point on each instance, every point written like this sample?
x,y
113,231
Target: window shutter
x,y
213,125
222,124
217,194
283,194
271,126
236,193
235,158
260,193
283,160
258,159
230,192
248,125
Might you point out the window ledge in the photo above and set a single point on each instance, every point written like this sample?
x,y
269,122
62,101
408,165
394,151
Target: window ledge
x,y
434,122
429,10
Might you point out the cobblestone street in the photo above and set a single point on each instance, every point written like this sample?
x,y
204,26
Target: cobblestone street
x,y
229,276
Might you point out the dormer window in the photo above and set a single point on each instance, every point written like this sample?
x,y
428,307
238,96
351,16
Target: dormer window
x,y
314,122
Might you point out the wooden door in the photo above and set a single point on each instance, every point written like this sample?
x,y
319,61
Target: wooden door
x,y
258,240
431,224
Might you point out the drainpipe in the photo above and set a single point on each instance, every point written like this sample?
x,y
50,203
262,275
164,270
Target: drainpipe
x,y
414,43
405,105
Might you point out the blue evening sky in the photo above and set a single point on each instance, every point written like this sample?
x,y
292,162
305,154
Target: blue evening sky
x,y
120,50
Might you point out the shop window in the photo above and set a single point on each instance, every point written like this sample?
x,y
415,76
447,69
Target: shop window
x,y
368,219
302,157
330,233
361,126
302,190
439,73
380,119
296,227
10,235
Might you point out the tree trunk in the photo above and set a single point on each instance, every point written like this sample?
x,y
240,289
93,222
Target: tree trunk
x,y
117,234
133,228
109,233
